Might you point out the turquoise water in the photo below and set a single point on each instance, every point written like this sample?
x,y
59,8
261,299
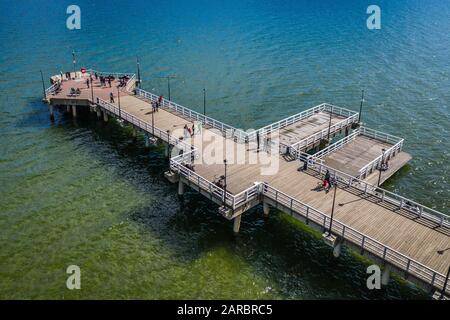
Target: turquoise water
x,y
86,193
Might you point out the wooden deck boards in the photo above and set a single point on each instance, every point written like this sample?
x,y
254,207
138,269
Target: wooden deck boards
x,y
307,127
395,164
407,236
355,155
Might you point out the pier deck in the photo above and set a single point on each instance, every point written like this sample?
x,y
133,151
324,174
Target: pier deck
x,y
400,232
361,154
370,218
308,127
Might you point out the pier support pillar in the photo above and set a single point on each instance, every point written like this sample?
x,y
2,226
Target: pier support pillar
x,y
237,224
68,109
74,111
52,112
180,188
166,150
337,249
146,139
105,116
266,209
386,275
99,113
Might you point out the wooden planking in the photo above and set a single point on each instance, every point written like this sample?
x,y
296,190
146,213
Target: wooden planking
x,y
86,94
395,164
307,127
355,155
411,238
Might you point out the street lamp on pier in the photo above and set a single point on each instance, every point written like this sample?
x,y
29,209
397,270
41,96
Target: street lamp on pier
x,y
332,208
360,106
92,88
329,124
225,183
381,166
204,101
118,100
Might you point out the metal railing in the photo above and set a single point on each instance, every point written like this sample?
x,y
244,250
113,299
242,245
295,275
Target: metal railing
x,y
336,146
227,130
130,83
351,117
387,155
324,107
396,142
114,74
178,164
51,89
373,246
286,122
382,195
145,126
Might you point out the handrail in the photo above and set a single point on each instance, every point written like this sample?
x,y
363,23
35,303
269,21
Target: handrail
x,y
145,126
318,136
286,121
386,253
383,195
397,144
178,164
226,129
302,115
130,83
396,148
50,89
338,145
115,74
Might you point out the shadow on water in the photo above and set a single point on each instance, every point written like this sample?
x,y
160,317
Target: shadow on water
x,y
291,258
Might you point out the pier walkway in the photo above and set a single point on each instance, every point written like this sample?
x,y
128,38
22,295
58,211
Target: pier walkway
x,y
397,232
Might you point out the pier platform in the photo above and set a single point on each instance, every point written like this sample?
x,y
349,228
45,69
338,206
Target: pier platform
x,y
366,217
362,153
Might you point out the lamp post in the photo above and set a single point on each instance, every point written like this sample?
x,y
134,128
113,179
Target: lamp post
x,y
74,61
92,89
204,101
329,124
43,85
118,100
360,107
138,71
168,86
381,164
153,123
225,183
168,149
445,284
332,208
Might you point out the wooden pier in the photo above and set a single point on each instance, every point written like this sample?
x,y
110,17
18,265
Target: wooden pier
x,y
398,233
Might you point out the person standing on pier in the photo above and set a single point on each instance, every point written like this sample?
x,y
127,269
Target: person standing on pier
x,y
160,100
257,141
96,76
185,132
109,81
87,83
153,106
326,180
193,129
111,97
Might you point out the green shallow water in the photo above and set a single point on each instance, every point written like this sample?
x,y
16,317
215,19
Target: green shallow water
x,y
86,193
